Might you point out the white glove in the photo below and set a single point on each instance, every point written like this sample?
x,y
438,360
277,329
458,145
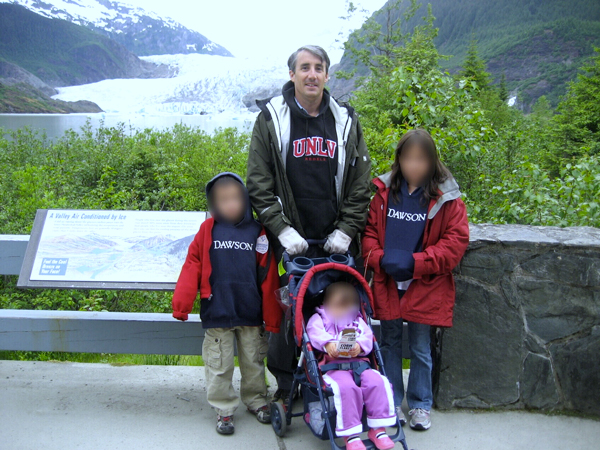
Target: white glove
x,y
293,243
337,242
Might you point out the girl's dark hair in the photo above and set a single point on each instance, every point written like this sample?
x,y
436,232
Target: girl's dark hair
x,y
438,172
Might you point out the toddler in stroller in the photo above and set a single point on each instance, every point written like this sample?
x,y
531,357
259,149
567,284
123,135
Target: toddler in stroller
x,y
354,383
340,395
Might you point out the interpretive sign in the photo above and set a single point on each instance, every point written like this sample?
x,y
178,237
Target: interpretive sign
x,y
108,249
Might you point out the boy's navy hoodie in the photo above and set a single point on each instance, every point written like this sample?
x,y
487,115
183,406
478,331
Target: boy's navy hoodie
x,y
235,271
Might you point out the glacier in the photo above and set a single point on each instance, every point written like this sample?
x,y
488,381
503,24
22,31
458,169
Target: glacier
x,y
203,84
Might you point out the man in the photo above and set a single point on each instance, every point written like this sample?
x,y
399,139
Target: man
x,y
308,178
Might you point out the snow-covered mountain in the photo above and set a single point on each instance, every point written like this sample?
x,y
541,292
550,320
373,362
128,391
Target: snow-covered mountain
x,y
204,84
141,32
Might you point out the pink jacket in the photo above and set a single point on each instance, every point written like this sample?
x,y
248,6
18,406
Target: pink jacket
x,y
321,330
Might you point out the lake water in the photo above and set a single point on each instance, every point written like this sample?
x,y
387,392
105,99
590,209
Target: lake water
x,y
56,124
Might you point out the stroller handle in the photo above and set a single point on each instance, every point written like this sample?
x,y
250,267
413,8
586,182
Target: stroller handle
x,y
286,256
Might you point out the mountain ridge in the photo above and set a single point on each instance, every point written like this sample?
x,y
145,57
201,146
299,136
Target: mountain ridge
x,y
540,44
142,32
61,53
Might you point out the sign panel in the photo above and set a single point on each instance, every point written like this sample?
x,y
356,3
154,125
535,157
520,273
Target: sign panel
x,y
96,249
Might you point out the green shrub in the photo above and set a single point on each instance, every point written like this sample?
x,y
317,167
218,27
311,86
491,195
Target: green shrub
x,y
107,168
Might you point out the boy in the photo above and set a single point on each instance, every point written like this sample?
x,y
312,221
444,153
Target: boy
x,y
230,263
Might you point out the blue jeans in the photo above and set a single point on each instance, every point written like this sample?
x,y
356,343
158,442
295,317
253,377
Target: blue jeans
x,y
418,393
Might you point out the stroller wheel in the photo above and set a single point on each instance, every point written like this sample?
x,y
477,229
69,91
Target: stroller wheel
x,y
278,418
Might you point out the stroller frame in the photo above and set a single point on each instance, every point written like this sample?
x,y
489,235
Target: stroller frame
x,y
307,374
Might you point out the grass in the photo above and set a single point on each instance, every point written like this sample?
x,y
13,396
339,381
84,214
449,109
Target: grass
x,y
118,359
107,358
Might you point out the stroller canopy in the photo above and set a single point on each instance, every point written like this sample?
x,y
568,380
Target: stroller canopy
x,y
307,291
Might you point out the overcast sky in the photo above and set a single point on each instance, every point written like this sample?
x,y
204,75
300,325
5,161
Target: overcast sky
x,y
252,28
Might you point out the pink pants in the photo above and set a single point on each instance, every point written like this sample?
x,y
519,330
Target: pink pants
x,y
374,393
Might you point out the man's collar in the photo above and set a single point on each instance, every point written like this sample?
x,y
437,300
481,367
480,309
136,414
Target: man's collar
x,y
299,105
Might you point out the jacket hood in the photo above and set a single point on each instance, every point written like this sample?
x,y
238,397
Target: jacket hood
x,y
275,124
289,93
449,190
248,208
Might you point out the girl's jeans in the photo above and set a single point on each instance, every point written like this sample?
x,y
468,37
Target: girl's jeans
x,y
418,394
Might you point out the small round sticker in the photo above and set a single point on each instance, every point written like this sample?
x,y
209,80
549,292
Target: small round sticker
x,y
262,244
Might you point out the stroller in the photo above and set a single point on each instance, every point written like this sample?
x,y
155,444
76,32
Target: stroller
x,y
308,279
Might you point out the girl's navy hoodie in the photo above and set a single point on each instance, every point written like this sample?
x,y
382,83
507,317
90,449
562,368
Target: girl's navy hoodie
x,y
406,218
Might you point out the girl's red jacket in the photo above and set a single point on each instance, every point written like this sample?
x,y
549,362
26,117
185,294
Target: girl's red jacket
x,y
195,275
431,295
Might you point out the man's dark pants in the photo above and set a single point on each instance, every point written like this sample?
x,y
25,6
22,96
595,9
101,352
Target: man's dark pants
x,y
282,357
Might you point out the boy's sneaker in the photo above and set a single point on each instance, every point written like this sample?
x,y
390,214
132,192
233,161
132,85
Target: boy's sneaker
x,y
419,419
263,414
401,416
225,424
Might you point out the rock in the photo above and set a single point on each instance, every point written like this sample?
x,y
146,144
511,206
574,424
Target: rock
x,y
261,93
487,267
577,367
567,267
537,383
11,74
583,237
24,98
534,344
481,357
470,401
555,310
527,321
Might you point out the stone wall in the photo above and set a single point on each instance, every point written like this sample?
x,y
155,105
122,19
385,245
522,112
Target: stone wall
x,y
527,321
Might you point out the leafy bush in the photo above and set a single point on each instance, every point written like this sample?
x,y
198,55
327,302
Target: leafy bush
x,y
107,168
540,169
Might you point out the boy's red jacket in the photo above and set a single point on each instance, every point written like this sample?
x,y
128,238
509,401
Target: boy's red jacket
x,y
195,275
431,295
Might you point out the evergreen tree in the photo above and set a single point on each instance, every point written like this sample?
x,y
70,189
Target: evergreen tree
x,y
577,126
474,68
502,88
541,109
379,47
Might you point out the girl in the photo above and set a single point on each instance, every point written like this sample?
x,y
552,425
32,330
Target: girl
x,y
361,386
417,232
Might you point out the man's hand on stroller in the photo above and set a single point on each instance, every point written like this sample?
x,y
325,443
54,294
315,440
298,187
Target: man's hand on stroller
x,y
293,243
354,351
331,349
337,242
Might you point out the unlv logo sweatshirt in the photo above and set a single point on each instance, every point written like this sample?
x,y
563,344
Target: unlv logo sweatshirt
x,y
311,165
235,271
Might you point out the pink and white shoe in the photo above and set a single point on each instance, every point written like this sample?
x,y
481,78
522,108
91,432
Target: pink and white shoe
x,y
380,438
354,443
